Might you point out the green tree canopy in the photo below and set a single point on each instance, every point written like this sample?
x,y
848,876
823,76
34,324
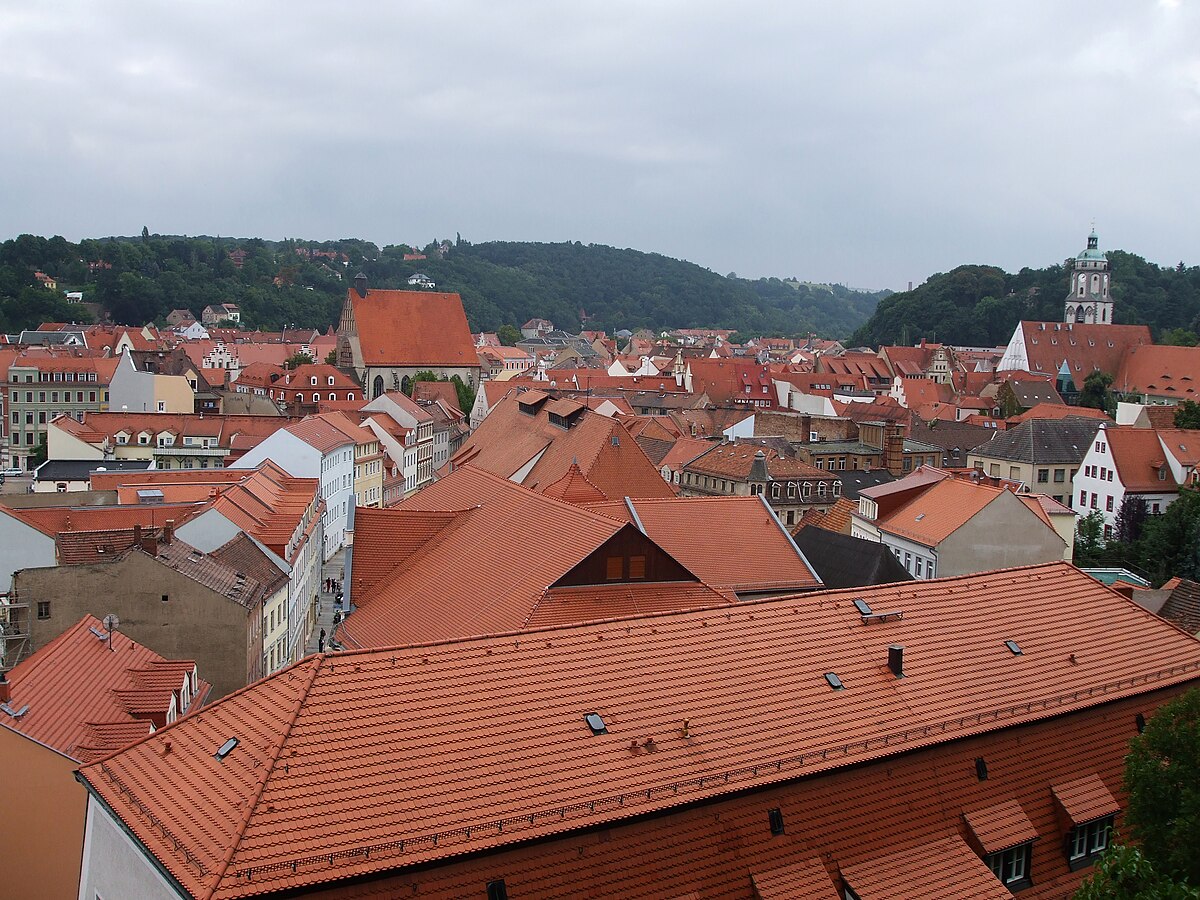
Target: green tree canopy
x,y
298,359
508,335
1187,414
1162,776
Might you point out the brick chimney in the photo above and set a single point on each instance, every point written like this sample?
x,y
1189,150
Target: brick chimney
x,y
893,450
168,532
5,696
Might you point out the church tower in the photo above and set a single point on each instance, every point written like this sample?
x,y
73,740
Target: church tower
x,y
1089,301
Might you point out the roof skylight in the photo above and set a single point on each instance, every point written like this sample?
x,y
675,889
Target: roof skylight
x,y
863,607
226,748
1014,647
834,681
595,723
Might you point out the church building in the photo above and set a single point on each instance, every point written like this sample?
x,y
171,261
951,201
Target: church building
x,y
1089,301
386,337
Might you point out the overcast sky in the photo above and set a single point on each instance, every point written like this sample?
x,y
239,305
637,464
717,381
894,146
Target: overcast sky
x,y
869,143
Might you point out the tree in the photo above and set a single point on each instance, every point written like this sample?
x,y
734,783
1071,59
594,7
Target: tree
x,y
1089,538
1187,414
1124,873
1130,518
466,396
1096,393
1179,337
1162,777
331,357
1170,543
508,335
298,359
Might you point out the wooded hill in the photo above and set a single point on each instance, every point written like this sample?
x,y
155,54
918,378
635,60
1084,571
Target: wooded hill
x,y
980,306
500,283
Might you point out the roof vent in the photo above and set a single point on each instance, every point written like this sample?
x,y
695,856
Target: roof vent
x,y
981,768
896,660
226,748
834,681
1014,648
596,723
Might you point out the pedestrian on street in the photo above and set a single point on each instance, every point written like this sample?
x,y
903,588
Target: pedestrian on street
x,y
321,642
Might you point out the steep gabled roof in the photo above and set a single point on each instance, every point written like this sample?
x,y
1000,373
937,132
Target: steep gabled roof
x,y
539,438
472,553
490,747
1085,348
412,328
76,690
1161,370
730,543
939,511
1138,455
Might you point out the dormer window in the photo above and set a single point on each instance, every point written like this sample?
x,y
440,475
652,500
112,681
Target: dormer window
x,y
331,381
313,380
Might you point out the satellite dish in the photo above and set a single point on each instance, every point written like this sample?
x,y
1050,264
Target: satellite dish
x,y
111,622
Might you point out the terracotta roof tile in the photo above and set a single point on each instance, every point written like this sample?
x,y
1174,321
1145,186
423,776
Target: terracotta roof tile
x,y
84,697
511,441
247,820
1161,370
574,487
1138,455
1085,799
807,879
411,328
939,511
731,543
1001,827
53,520
941,869
568,605
1086,348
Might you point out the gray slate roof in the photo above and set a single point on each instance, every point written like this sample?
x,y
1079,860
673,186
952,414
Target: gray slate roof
x,y
842,561
1043,441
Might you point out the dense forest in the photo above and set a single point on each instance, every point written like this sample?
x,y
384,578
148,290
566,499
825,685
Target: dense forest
x,y
293,282
981,305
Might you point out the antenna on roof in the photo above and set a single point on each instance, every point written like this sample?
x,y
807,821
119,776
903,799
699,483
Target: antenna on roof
x,y
111,623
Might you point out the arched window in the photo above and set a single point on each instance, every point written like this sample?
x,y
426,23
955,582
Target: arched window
x,y
377,385
775,489
333,396
406,385
316,398
350,395
331,381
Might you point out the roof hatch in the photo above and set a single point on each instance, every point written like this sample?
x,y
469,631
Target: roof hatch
x,y
596,723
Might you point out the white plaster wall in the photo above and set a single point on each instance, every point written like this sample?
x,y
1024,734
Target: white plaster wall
x,y
115,867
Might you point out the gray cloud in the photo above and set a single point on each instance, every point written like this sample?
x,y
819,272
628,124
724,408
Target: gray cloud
x,y
863,142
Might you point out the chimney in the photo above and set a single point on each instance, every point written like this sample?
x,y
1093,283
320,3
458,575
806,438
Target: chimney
x,y
150,544
805,429
168,531
758,469
137,535
896,660
893,454
4,689
360,284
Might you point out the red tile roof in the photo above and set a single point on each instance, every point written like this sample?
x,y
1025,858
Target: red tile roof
x,y
1086,348
53,520
1138,455
593,603
1001,826
1163,371
806,879
86,699
1085,799
731,543
412,328
699,705
940,510
574,487
945,868
415,558
509,440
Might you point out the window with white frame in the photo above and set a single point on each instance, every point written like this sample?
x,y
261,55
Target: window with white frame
x,y
1087,841
1011,866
